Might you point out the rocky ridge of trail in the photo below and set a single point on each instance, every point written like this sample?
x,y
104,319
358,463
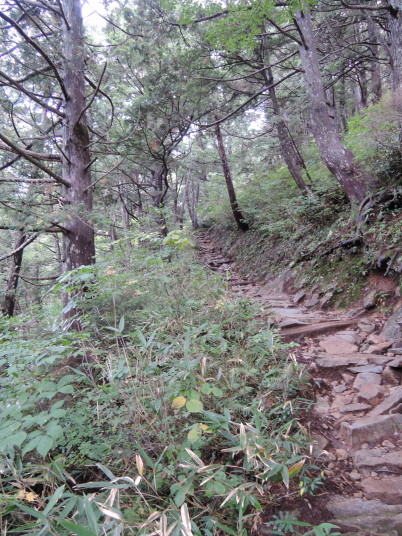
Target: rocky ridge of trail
x,y
356,359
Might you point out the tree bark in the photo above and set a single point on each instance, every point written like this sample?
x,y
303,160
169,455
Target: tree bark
x,y
9,300
79,239
376,81
291,156
237,214
353,178
395,51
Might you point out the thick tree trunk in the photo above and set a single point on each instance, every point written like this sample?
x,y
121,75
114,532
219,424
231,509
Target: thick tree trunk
x,y
9,300
353,178
237,214
79,239
291,156
395,50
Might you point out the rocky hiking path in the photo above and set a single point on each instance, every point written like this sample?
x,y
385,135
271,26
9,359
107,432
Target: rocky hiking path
x,y
356,362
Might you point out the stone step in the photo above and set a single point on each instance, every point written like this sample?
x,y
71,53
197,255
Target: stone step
x,y
377,459
315,329
347,360
372,516
371,429
386,489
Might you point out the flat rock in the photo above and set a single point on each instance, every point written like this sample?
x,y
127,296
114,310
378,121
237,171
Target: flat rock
x,y
334,344
388,491
372,516
299,296
315,328
288,322
370,429
350,408
370,393
375,459
367,326
365,378
391,401
374,369
375,339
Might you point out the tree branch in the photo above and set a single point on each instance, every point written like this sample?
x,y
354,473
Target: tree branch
x,y
28,157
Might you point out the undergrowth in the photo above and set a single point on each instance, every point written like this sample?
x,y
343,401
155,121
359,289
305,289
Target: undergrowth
x,y
175,411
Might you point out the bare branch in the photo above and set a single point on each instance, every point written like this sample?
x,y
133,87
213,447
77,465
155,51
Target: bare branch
x,y
28,241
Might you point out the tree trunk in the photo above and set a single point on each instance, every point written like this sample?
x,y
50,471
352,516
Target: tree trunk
x,y
289,152
395,29
192,203
9,300
238,216
79,239
376,82
157,197
353,178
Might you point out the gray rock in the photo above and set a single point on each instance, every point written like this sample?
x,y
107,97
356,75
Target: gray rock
x,y
380,348
370,300
349,336
389,402
340,388
378,459
396,363
370,429
365,378
350,408
334,345
366,326
374,369
388,491
393,327
299,296
373,517
370,393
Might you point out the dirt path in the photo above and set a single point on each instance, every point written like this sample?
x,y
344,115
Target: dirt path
x,y
359,402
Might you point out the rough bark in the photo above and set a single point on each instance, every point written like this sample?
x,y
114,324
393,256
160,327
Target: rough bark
x,y
158,196
395,51
237,214
9,300
289,153
79,239
376,81
353,178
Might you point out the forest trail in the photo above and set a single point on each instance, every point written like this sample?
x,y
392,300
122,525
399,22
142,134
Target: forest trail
x,y
358,412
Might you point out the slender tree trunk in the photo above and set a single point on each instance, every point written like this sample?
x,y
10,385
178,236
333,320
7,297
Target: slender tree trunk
x,y
237,214
376,81
289,153
192,197
353,178
395,50
158,199
9,300
79,240
343,112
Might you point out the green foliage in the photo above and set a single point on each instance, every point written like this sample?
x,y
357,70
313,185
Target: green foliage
x,y
165,393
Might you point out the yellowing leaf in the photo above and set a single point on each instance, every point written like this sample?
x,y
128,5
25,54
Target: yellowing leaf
x,y
194,434
178,402
28,496
140,464
296,468
205,429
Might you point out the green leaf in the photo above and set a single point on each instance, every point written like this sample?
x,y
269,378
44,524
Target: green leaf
x,y
79,530
217,392
121,324
44,445
194,406
206,388
53,500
